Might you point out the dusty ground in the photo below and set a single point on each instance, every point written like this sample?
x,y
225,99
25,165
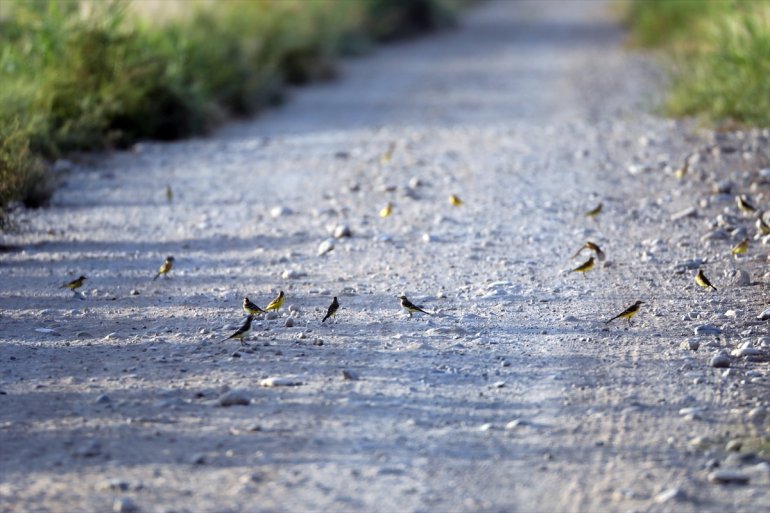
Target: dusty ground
x,y
514,396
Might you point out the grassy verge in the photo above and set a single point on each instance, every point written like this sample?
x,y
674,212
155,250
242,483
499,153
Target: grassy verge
x,y
719,52
82,75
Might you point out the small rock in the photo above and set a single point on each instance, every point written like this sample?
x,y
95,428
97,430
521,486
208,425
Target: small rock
x,y
707,329
717,234
693,344
672,494
427,238
280,382
134,292
740,278
757,415
723,187
516,423
687,212
83,335
103,399
720,361
486,427
289,322
112,336
234,398
198,459
341,230
728,477
280,211
90,449
48,331
124,505
325,247
115,484
733,446
271,316
765,315
290,274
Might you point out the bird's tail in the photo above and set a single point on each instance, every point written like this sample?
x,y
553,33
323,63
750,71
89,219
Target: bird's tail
x,y
156,277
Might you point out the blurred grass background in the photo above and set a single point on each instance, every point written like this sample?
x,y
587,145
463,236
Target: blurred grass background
x,y
80,75
719,56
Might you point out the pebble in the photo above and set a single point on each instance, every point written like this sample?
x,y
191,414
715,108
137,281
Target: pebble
x,y
124,505
234,398
733,446
717,234
728,477
48,331
723,187
692,344
765,315
341,230
291,274
707,329
115,484
687,212
134,292
720,361
84,334
325,247
280,211
280,382
90,449
198,459
349,375
289,322
112,336
427,238
740,278
486,427
103,399
757,415
672,494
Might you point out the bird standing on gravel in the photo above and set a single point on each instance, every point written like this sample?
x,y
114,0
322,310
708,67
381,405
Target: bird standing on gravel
x,y
455,200
592,247
250,308
740,248
332,310
762,227
744,205
628,312
165,267
387,209
243,331
594,211
701,280
276,303
584,267
75,284
410,307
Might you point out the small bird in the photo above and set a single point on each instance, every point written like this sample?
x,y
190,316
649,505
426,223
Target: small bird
x,y
276,303
594,211
250,308
762,226
332,310
455,200
744,205
593,247
385,158
584,267
243,331
628,312
410,307
701,280
74,285
683,169
169,194
165,267
387,209
740,248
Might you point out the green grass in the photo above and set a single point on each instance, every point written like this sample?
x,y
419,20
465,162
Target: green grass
x,y
719,52
83,80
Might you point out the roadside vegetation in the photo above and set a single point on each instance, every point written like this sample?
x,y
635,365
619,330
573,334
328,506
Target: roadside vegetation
x,y
84,75
719,53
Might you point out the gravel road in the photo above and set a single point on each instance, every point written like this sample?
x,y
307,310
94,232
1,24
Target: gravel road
x,y
514,396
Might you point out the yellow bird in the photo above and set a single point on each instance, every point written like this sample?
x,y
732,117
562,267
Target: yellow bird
x,y
276,303
594,211
682,170
701,280
250,308
628,312
165,267
410,307
455,200
740,248
584,267
243,331
593,247
386,210
762,226
332,310
385,158
744,205
74,284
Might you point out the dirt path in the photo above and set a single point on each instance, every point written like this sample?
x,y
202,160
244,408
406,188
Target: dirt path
x,y
514,396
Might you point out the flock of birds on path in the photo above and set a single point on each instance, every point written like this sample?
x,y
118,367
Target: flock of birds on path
x,y
410,308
